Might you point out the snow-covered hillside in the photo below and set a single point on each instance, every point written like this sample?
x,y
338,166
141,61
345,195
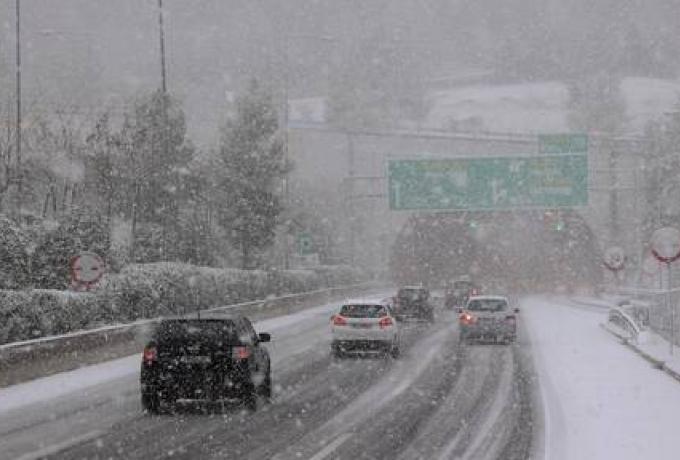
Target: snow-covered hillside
x,y
540,107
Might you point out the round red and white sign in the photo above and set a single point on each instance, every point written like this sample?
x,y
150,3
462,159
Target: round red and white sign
x,y
666,244
614,258
87,268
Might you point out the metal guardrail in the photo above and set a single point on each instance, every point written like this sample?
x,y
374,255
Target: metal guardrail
x,y
619,317
26,360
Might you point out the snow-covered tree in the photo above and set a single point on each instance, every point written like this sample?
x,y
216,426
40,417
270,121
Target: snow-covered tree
x,y
252,165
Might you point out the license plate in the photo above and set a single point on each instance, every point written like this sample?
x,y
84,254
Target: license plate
x,y
195,359
362,325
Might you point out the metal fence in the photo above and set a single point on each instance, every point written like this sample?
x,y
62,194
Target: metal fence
x,y
655,308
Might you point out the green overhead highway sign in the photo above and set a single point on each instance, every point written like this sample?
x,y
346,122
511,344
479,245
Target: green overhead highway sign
x,y
488,183
562,143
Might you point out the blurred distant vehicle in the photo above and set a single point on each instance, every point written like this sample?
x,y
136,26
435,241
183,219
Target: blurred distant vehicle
x,y
413,302
488,317
213,358
457,295
365,326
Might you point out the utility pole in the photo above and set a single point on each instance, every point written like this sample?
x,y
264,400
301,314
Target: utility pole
x,y
352,215
164,95
164,86
19,175
286,153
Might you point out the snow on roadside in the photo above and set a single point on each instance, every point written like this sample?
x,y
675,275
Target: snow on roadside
x,y
601,401
658,348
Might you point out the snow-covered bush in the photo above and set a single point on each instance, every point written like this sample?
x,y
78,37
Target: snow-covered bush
x,y
51,259
14,269
36,313
152,290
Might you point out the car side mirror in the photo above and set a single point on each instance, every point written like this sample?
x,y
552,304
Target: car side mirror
x,y
264,337
516,310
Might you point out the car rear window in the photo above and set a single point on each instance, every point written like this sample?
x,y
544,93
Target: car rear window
x,y
411,294
196,332
490,305
363,311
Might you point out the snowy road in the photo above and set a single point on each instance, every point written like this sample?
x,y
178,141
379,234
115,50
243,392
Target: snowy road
x,y
439,400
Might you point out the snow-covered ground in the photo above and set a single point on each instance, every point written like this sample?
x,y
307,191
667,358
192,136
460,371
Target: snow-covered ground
x,y
601,401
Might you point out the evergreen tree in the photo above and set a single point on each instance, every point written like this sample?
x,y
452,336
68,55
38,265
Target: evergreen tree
x,y
252,165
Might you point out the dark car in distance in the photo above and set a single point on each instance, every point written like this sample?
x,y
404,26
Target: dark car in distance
x,y
212,358
457,295
413,302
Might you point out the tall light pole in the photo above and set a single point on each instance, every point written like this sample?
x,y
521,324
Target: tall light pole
x,y
164,86
19,175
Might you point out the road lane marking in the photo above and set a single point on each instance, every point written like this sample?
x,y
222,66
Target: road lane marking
x,y
58,447
330,448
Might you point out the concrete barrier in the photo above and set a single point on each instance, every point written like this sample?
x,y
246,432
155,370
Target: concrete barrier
x,y
23,361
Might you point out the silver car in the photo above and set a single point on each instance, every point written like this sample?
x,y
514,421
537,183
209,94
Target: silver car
x,y
489,318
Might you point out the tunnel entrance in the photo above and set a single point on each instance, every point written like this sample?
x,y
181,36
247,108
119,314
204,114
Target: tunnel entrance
x,y
527,251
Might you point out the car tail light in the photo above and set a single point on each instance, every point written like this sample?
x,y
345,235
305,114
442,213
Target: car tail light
x,y
239,353
475,292
467,318
150,355
339,321
386,322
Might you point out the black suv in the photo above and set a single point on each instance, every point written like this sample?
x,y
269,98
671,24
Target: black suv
x,y
413,302
212,358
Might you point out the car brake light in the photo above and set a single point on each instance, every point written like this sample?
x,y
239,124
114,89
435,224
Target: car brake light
x,y
385,322
339,321
150,355
467,318
240,353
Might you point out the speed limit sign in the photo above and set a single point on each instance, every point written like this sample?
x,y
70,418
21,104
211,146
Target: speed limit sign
x,y
87,268
614,258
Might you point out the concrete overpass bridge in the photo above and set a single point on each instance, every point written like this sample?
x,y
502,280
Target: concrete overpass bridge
x,y
353,163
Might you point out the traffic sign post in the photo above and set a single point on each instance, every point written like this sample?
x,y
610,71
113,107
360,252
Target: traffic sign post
x,y
305,245
615,261
488,183
87,268
666,249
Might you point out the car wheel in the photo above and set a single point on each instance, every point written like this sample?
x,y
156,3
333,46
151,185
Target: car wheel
x,y
266,389
151,403
395,351
336,351
250,398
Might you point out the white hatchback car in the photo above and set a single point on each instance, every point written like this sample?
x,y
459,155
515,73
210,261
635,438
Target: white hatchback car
x,y
365,326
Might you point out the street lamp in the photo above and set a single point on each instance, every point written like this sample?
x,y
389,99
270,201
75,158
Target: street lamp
x,y
162,46
19,176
